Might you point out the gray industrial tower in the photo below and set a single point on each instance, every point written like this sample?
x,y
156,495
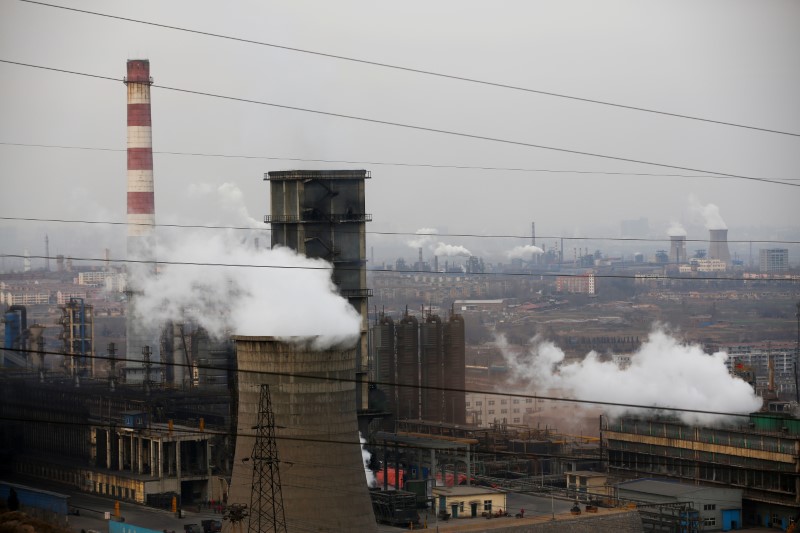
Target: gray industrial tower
x,y
320,213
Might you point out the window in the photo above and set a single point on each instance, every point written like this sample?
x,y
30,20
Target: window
x,y
461,507
516,420
516,410
491,402
528,400
709,506
491,411
503,411
479,402
709,521
515,400
469,404
503,402
487,505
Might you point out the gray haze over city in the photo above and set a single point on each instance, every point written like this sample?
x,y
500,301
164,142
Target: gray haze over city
x,y
733,62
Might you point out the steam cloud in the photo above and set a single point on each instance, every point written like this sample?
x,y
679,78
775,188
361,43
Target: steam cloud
x,y
676,230
365,457
524,252
425,237
277,293
451,250
663,373
709,213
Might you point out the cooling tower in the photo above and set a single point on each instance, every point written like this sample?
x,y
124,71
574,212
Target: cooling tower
x,y
677,249
141,215
322,476
718,245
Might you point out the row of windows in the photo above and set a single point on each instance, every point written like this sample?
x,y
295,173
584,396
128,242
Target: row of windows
x,y
502,402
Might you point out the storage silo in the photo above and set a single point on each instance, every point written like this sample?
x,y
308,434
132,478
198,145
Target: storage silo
x,y
386,362
316,431
431,360
408,368
455,374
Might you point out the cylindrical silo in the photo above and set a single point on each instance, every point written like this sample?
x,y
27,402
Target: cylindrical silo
x,y
386,364
313,393
408,368
455,376
431,368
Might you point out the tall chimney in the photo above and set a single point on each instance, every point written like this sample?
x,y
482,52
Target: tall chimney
x,y
141,214
718,245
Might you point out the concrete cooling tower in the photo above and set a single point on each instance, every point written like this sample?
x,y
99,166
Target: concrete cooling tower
x,y
677,249
316,431
718,245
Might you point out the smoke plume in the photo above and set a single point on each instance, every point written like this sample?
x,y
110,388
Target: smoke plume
x,y
676,230
425,237
232,289
365,457
450,250
524,252
663,373
709,213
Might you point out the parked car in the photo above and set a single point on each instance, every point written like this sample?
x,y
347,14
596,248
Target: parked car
x,y
211,526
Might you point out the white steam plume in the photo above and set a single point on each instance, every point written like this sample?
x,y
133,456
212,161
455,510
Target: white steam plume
x,y
523,252
676,230
365,457
425,237
451,250
709,213
663,373
279,293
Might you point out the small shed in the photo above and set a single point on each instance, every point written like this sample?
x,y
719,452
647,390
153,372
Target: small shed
x,y
469,501
585,485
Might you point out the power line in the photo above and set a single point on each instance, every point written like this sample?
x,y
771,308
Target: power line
x,y
397,233
413,127
659,277
417,71
413,165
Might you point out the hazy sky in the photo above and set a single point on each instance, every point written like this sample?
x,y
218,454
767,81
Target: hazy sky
x,y
732,61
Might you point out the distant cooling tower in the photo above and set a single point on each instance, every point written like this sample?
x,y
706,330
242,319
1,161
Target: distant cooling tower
x,y
316,431
718,245
677,249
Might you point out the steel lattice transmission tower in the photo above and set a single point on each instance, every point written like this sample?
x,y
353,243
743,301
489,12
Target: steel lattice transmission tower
x,y
266,498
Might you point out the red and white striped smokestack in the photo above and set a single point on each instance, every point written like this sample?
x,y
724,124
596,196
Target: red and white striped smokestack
x,y
141,204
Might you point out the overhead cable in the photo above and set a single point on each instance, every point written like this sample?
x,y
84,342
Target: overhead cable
x,y
417,70
412,126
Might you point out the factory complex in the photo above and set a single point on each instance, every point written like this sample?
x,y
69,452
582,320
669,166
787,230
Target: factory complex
x,y
421,397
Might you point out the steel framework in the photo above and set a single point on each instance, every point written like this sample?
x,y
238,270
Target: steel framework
x,y
266,498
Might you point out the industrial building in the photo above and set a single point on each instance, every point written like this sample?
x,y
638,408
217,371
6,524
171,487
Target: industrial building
x,y
321,214
759,456
718,245
773,260
713,508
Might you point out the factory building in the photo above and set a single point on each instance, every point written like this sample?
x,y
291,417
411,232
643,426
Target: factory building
x,y
321,214
677,249
773,260
760,456
313,394
577,284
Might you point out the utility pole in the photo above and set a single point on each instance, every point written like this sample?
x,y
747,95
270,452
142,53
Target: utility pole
x,y
266,498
